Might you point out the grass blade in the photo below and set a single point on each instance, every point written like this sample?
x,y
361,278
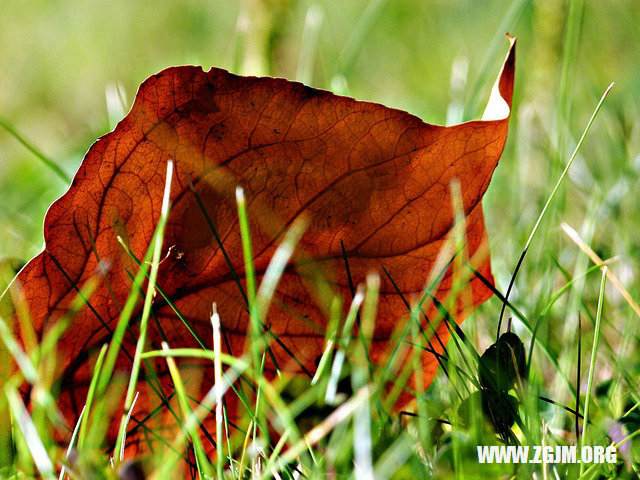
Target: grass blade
x,y
596,259
219,389
250,276
202,462
90,394
309,44
53,166
146,310
72,442
592,364
357,38
550,199
28,429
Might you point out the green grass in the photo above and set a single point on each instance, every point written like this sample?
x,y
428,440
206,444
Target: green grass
x,y
399,53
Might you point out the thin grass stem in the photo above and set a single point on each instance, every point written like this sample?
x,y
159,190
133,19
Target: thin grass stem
x,y
592,363
549,200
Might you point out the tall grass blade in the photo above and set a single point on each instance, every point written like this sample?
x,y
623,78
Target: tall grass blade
x,y
549,200
146,310
219,388
125,425
90,394
338,361
592,363
573,29
362,442
578,377
250,276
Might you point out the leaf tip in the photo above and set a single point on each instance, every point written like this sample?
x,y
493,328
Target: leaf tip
x,y
499,105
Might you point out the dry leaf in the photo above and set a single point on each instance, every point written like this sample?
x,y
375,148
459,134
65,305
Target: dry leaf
x,y
374,178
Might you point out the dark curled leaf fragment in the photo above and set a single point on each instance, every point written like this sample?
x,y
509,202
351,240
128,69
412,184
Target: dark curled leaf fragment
x,y
502,363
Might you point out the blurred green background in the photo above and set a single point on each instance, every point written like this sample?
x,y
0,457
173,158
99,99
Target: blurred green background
x,y
69,70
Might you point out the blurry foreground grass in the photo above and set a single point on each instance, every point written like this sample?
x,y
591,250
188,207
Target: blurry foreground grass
x,y
74,77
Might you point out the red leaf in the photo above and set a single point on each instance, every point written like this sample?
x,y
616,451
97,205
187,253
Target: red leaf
x,y
373,178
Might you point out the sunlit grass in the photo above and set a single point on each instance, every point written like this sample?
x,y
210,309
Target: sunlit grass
x,y
338,422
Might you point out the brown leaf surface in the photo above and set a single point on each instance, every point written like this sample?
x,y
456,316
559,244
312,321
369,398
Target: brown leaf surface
x,y
374,178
